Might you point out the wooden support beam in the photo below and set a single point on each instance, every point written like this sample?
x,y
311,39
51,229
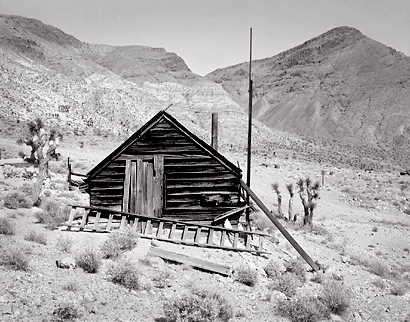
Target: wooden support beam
x,y
191,261
278,225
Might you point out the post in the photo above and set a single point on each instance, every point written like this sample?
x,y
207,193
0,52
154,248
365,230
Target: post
x,y
248,170
214,139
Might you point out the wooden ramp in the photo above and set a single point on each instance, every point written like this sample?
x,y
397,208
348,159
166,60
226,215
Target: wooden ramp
x,y
92,219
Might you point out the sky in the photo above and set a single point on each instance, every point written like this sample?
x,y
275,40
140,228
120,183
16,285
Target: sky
x,y
211,34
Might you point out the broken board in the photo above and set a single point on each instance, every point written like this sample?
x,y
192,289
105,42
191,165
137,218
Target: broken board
x,y
191,261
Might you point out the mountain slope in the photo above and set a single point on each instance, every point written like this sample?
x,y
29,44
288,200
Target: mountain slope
x,y
102,89
340,86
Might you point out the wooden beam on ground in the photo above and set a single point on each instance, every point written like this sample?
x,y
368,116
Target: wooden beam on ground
x,y
229,213
191,261
278,225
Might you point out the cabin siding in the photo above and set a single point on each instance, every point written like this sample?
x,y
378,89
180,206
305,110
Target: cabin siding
x,y
197,187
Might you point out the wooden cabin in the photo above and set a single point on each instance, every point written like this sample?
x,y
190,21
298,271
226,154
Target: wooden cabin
x,y
164,170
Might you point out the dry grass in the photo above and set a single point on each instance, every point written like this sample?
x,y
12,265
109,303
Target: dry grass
x,y
335,297
64,244
36,237
119,242
89,260
53,213
7,227
246,275
17,199
199,305
303,309
125,273
286,283
15,257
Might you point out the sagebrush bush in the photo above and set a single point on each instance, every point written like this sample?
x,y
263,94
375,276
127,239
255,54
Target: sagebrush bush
x,y
398,289
7,227
17,199
286,283
36,237
15,257
125,273
53,213
246,275
89,260
161,279
65,312
272,270
303,309
118,242
64,244
199,305
335,297
296,267
377,267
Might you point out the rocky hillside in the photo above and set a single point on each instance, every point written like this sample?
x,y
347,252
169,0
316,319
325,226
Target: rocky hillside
x,y
340,88
102,89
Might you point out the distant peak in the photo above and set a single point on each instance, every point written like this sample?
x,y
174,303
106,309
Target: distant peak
x,y
343,30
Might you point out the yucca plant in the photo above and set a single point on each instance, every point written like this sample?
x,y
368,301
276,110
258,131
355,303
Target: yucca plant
x,y
275,187
308,194
291,216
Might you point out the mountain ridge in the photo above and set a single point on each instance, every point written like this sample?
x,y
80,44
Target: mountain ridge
x,y
339,86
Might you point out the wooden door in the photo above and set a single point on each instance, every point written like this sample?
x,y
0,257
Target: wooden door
x,y
143,187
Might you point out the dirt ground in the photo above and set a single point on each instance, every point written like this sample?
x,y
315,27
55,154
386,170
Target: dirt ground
x,y
358,222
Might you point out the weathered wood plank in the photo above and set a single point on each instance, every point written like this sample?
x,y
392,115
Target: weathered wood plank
x,y
109,223
126,193
191,261
133,188
158,185
140,175
96,220
149,189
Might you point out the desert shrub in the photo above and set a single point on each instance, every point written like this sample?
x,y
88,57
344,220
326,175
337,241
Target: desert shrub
x,y
286,283
118,242
89,260
319,278
70,286
380,283
36,237
246,275
262,222
16,199
335,297
15,257
53,213
272,270
65,312
200,305
7,227
398,289
303,309
125,273
161,279
64,244
377,267
296,267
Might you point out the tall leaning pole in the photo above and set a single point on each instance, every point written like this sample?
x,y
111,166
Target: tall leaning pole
x,y
248,170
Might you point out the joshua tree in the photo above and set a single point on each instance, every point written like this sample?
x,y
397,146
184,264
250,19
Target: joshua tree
x,y
308,194
275,187
39,139
290,188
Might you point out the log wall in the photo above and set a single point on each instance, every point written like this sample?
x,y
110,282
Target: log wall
x,y
197,187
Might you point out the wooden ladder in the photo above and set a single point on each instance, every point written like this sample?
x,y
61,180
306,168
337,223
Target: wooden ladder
x,y
93,219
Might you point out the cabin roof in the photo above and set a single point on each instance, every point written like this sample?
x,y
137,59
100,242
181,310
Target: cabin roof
x,y
162,115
